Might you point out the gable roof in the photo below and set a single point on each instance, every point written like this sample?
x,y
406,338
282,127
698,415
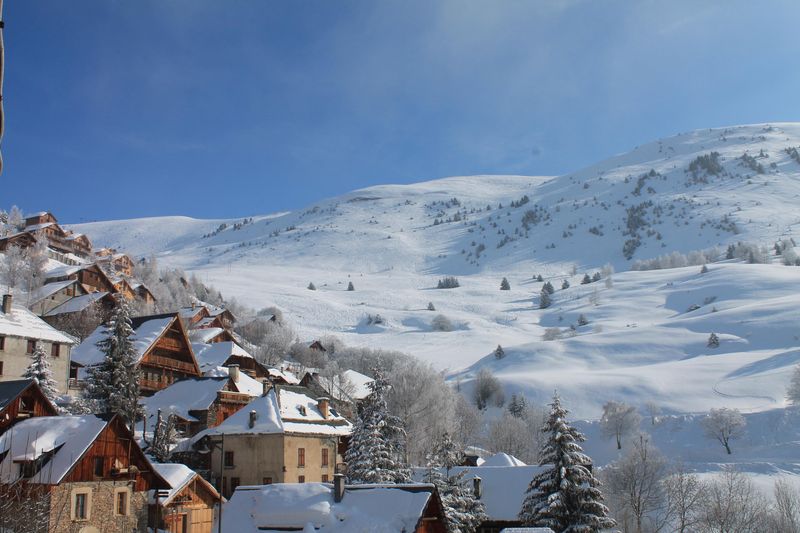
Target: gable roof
x,y
363,509
268,419
210,356
9,390
178,476
147,330
300,414
182,397
49,289
22,323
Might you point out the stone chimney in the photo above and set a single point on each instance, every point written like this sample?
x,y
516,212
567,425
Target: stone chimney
x,y
7,300
477,489
253,418
233,372
265,387
324,406
338,487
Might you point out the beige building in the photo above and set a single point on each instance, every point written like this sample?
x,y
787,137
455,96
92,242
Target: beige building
x,y
285,436
20,332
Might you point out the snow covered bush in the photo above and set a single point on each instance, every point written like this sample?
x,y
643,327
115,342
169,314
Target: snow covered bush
x,y
311,286
505,285
441,323
448,282
431,307
487,387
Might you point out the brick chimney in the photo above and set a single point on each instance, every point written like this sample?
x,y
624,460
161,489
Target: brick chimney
x,y
338,487
7,300
324,406
233,372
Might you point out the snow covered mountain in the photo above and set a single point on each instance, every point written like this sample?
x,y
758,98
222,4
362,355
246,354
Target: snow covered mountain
x,y
647,331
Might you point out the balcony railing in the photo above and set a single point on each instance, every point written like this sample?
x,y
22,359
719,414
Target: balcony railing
x,y
168,362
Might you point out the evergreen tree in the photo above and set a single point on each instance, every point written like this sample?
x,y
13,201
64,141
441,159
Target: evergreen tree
x,y
544,299
713,341
582,320
505,285
431,307
549,288
793,391
586,279
311,286
704,269
564,496
114,383
539,278
464,512
564,285
499,353
350,286
517,406
596,276
377,443
39,369
163,438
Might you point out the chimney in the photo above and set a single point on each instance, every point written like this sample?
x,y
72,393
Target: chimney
x,y
338,487
477,489
7,299
265,386
253,418
323,404
233,372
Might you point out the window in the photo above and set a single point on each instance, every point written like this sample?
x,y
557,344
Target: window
x,y
55,350
301,457
301,479
81,504
98,467
121,502
267,481
235,482
31,346
324,457
1,368
2,343
324,478
228,459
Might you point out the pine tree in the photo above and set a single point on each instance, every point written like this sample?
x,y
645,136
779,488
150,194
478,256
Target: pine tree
x,y
539,278
505,285
377,443
311,286
114,383
549,288
499,353
39,369
582,320
596,277
431,307
586,279
713,341
544,299
163,438
464,512
350,286
704,269
564,496
564,285
517,406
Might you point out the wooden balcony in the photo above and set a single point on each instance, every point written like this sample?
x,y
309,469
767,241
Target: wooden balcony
x,y
233,397
170,363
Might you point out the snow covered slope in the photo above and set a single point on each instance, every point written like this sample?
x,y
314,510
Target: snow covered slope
x,y
691,191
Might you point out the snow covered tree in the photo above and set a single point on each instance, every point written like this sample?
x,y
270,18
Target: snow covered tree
x,y
377,443
564,285
505,285
724,424
582,320
39,369
163,438
539,278
114,383
463,511
517,406
596,277
704,269
431,307
713,341
499,352
486,387
350,286
311,286
619,419
653,410
586,279
15,219
12,269
793,391
549,288
441,323
544,299
36,258
565,495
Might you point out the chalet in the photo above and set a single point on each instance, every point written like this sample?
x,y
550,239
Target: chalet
x,y
142,292
55,235
200,403
53,294
117,262
79,244
346,390
22,240
92,277
335,508
103,300
20,333
284,436
75,473
211,335
187,506
43,217
317,346
124,288
163,352
226,353
22,399
207,314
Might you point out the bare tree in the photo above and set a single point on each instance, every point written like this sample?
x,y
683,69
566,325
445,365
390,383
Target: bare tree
x,y
12,269
513,435
733,504
793,391
486,387
619,419
724,425
786,511
467,421
80,324
636,488
686,499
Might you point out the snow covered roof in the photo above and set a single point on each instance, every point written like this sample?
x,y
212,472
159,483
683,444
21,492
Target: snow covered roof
x,y
49,289
287,376
359,384
11,389
146,331
204,336
300,414
268,419
65,270
363,509
36,227
183,396
502,459
213,355
22,323
67,436
177,476
76,304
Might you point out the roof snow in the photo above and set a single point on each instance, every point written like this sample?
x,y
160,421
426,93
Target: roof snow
x,y
77,304
300,414
22,323
177,477
182,397
359,384
49,289
364,509
11,389
210,356
502,459
268,419
87,353
67,436
204,335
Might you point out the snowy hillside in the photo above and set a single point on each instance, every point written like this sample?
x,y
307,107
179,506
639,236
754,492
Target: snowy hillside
x,y
393,242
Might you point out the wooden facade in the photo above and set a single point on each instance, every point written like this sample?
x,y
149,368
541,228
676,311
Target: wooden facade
x,y
28,402
91,277
190,510
169,359
44,217
23,240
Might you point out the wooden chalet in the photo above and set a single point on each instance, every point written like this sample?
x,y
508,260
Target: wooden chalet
x,y
22,399
118,262
92,277
22,240
188,505
211,335
164,353
143,293
53,294
75,473
43,217
80,244
317,346
124,288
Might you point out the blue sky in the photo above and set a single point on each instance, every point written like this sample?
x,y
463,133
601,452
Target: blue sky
x,y
119,109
